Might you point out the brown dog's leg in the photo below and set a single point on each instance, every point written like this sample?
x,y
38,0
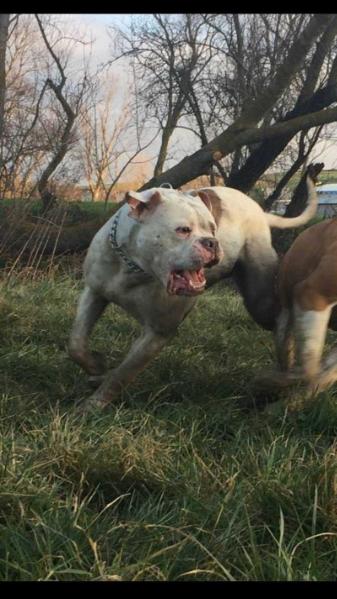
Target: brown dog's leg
x,y
90,308
314,299
285,341
310,328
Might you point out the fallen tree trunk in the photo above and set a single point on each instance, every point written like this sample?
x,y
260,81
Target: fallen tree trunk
x,y
23,239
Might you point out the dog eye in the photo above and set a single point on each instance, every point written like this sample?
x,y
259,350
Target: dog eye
x,y
183,230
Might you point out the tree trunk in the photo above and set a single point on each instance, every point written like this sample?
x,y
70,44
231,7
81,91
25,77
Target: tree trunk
x,y
4,25
48,200
96,194
167,132
265,154
70,115
299,198
283,182
302,157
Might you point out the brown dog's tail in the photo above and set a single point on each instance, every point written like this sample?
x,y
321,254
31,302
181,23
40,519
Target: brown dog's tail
x,y
281,222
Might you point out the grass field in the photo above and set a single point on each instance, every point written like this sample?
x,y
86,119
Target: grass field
x,y
179,480
33,207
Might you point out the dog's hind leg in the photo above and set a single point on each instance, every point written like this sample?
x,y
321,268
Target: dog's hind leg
x,y
281,375
90,308
310,327
304,331
314,299
285,340
328,372
255,274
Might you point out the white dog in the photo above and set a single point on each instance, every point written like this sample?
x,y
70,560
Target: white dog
x,y
149,258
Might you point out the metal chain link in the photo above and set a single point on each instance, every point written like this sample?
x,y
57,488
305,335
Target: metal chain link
x,y
132,266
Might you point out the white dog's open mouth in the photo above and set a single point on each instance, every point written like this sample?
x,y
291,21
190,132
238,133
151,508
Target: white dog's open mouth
x,y
186,282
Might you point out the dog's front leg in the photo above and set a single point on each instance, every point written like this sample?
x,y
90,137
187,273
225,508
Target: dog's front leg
x,y
90,308
144,349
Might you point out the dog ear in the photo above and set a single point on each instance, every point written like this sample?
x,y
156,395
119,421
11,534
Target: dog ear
x,y
211,201
203,195
142,203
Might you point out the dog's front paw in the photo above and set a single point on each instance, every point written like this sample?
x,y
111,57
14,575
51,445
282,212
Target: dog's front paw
x,y
92,405
99,401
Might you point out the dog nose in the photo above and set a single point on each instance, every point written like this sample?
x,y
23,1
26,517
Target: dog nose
x,y
210,243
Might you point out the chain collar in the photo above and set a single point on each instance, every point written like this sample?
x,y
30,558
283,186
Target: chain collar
x,y
132,266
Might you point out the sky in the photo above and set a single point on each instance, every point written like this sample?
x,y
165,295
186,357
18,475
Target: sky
x,y
98,25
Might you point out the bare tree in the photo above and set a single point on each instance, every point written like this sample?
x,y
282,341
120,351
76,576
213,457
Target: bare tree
x,y
19,151
41,104
70,103
113,135
244,130
309,100
6,20
208,75
169,55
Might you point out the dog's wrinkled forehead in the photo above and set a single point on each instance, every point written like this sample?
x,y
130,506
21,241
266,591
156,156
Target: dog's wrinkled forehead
x,y
189,201
160,205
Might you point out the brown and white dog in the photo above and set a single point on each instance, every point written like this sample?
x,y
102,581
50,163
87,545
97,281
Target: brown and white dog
x,y
307,288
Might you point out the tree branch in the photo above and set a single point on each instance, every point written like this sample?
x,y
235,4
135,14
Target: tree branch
x,y
198,163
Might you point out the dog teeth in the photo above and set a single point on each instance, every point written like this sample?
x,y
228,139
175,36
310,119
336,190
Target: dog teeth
x,y
196,285
193,281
